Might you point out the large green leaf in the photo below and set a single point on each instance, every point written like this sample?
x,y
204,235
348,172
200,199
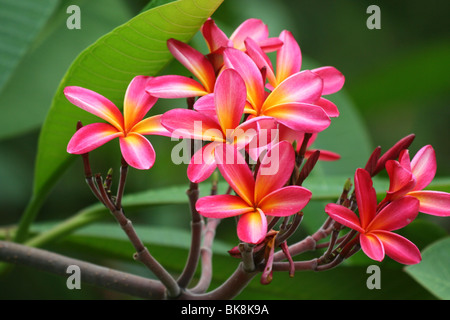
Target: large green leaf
x,y
433,271
42,68
138,47
22,22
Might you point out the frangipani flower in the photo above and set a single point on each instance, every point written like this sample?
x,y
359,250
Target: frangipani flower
x,y
290,103
137,151
374,227
224,128
289,62
256,197
409,178
217,40
176,86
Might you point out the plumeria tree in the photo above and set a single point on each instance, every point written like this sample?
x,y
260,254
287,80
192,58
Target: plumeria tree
x,y
247,116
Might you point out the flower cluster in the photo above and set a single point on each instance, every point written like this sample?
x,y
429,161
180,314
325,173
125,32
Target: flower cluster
x,y
256,121
404,200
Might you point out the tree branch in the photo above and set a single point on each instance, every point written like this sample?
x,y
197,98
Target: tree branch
x,y
90,273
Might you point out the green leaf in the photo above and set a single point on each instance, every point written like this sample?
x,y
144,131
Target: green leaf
x,y
433,272
22,22
42,68
138,47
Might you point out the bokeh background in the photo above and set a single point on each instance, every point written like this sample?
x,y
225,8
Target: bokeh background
x,y
396,78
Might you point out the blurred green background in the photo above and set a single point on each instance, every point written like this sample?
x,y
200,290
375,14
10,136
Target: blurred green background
x,y
396,77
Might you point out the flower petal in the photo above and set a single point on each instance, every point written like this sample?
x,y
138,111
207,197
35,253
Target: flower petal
x,y
329,107
436,203
395,215
151,126
174,87
366,197
344,216
285,201
194,61
300,116
304,86
203,163
222,206
91,137
249,72
253,28
206,106
333,79
252,227
289,57
215,38
191,124
399,248
261,60
275,169
372,246
235,171
137,151
401,180
325,155
230,95
137,101
96,104
423,167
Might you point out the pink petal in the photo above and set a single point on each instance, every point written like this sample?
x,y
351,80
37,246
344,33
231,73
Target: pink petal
x,y
249,132
372,246
252,227
275,169
289,57
235,171
194,61
261,60
206,106
303,86
203,163
151,126
253,28
137,151
270,44
395,215
222,206
230,95
399,248
191,124
248,70
423,167
325,155
365,197
137,101
344,216
401,180
174,87
300,116
285,201
91,137
436,203
215,38
96,104
329,107
333,79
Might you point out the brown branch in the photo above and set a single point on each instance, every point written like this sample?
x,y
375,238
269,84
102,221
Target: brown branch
x,y
90,273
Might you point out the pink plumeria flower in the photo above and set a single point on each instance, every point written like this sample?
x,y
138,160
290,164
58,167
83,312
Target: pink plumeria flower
x,y
290,103
375,228
217,40
289,62
176,86
256,197
224,127
130,127
410,177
